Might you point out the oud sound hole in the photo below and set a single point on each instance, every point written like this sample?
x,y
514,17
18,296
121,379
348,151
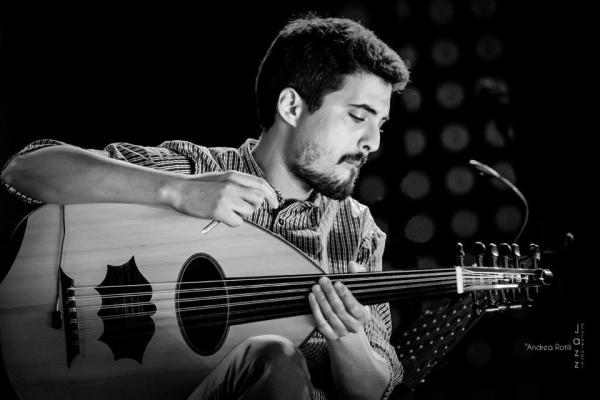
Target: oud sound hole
x,y
202,306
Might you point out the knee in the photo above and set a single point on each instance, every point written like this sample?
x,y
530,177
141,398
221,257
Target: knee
x,y
273,349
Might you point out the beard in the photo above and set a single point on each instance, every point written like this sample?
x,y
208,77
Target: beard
x,y
327,185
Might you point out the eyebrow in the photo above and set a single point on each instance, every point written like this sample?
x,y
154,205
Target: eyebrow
x,y
370,109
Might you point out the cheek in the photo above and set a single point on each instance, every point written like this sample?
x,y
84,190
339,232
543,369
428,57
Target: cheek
x,y
323,142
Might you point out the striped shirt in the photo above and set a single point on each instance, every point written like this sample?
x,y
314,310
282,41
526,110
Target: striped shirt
x,y
331,232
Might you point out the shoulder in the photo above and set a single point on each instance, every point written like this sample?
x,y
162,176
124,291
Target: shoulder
x,y
359,215
207,158
187,149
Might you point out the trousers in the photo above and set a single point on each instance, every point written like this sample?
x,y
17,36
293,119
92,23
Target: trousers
x,y
261,367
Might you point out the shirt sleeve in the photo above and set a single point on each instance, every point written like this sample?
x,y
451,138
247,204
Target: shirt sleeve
x,y
201,158
161,158
379,328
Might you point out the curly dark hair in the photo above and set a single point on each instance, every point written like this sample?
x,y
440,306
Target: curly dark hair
x,y
313,55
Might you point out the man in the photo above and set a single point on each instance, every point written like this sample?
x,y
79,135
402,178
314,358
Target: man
x,y
323,93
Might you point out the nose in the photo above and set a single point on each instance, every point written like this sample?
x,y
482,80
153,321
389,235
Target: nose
x,y
369,141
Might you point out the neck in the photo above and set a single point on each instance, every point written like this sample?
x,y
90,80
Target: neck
x,y
270,153
257,299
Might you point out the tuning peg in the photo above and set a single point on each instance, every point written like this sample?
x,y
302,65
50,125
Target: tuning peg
x,y
535,254
460,254
505,251
516,253
534,251
479,252
517,263
493,253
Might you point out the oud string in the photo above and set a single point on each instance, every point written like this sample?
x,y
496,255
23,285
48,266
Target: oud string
x,y
233,300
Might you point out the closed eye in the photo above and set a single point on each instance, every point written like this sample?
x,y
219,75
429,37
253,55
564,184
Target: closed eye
x,y
358,119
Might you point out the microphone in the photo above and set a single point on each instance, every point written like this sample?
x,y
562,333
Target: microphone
x,y
487,170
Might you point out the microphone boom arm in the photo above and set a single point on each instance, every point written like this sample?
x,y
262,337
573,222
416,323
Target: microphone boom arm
x,y
487,170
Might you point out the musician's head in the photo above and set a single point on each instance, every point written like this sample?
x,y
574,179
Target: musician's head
x,y
325,85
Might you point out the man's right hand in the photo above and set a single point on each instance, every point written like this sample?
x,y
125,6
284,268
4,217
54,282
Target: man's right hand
x,y
222,196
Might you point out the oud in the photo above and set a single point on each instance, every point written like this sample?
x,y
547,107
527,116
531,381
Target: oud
x,y
107,301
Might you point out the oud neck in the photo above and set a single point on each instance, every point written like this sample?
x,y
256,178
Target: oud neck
x,y
283,296
380,287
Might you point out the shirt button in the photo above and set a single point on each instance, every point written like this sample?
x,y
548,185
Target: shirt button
x,y
280,220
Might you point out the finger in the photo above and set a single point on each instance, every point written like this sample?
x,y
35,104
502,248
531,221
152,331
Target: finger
x,y
272,197
231,219
330,316
354,307
253,196
320,321
354,267
242,208
257,183
350,323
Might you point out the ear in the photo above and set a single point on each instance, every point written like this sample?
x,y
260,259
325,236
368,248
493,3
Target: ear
x,y
290,106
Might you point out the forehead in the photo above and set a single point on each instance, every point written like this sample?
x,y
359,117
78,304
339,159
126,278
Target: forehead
x,y
363,89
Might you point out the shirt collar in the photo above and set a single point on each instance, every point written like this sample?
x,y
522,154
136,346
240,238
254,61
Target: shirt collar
x,y
248,158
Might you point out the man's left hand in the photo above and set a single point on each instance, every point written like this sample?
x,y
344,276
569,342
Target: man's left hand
x,y
336,311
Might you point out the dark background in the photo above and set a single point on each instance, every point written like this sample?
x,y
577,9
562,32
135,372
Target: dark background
x,y
94,73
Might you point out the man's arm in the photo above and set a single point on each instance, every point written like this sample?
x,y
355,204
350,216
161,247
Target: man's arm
x,y
358,371
65,174
363,361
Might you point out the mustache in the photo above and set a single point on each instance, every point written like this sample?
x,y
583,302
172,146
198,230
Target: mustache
x,y
357,158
